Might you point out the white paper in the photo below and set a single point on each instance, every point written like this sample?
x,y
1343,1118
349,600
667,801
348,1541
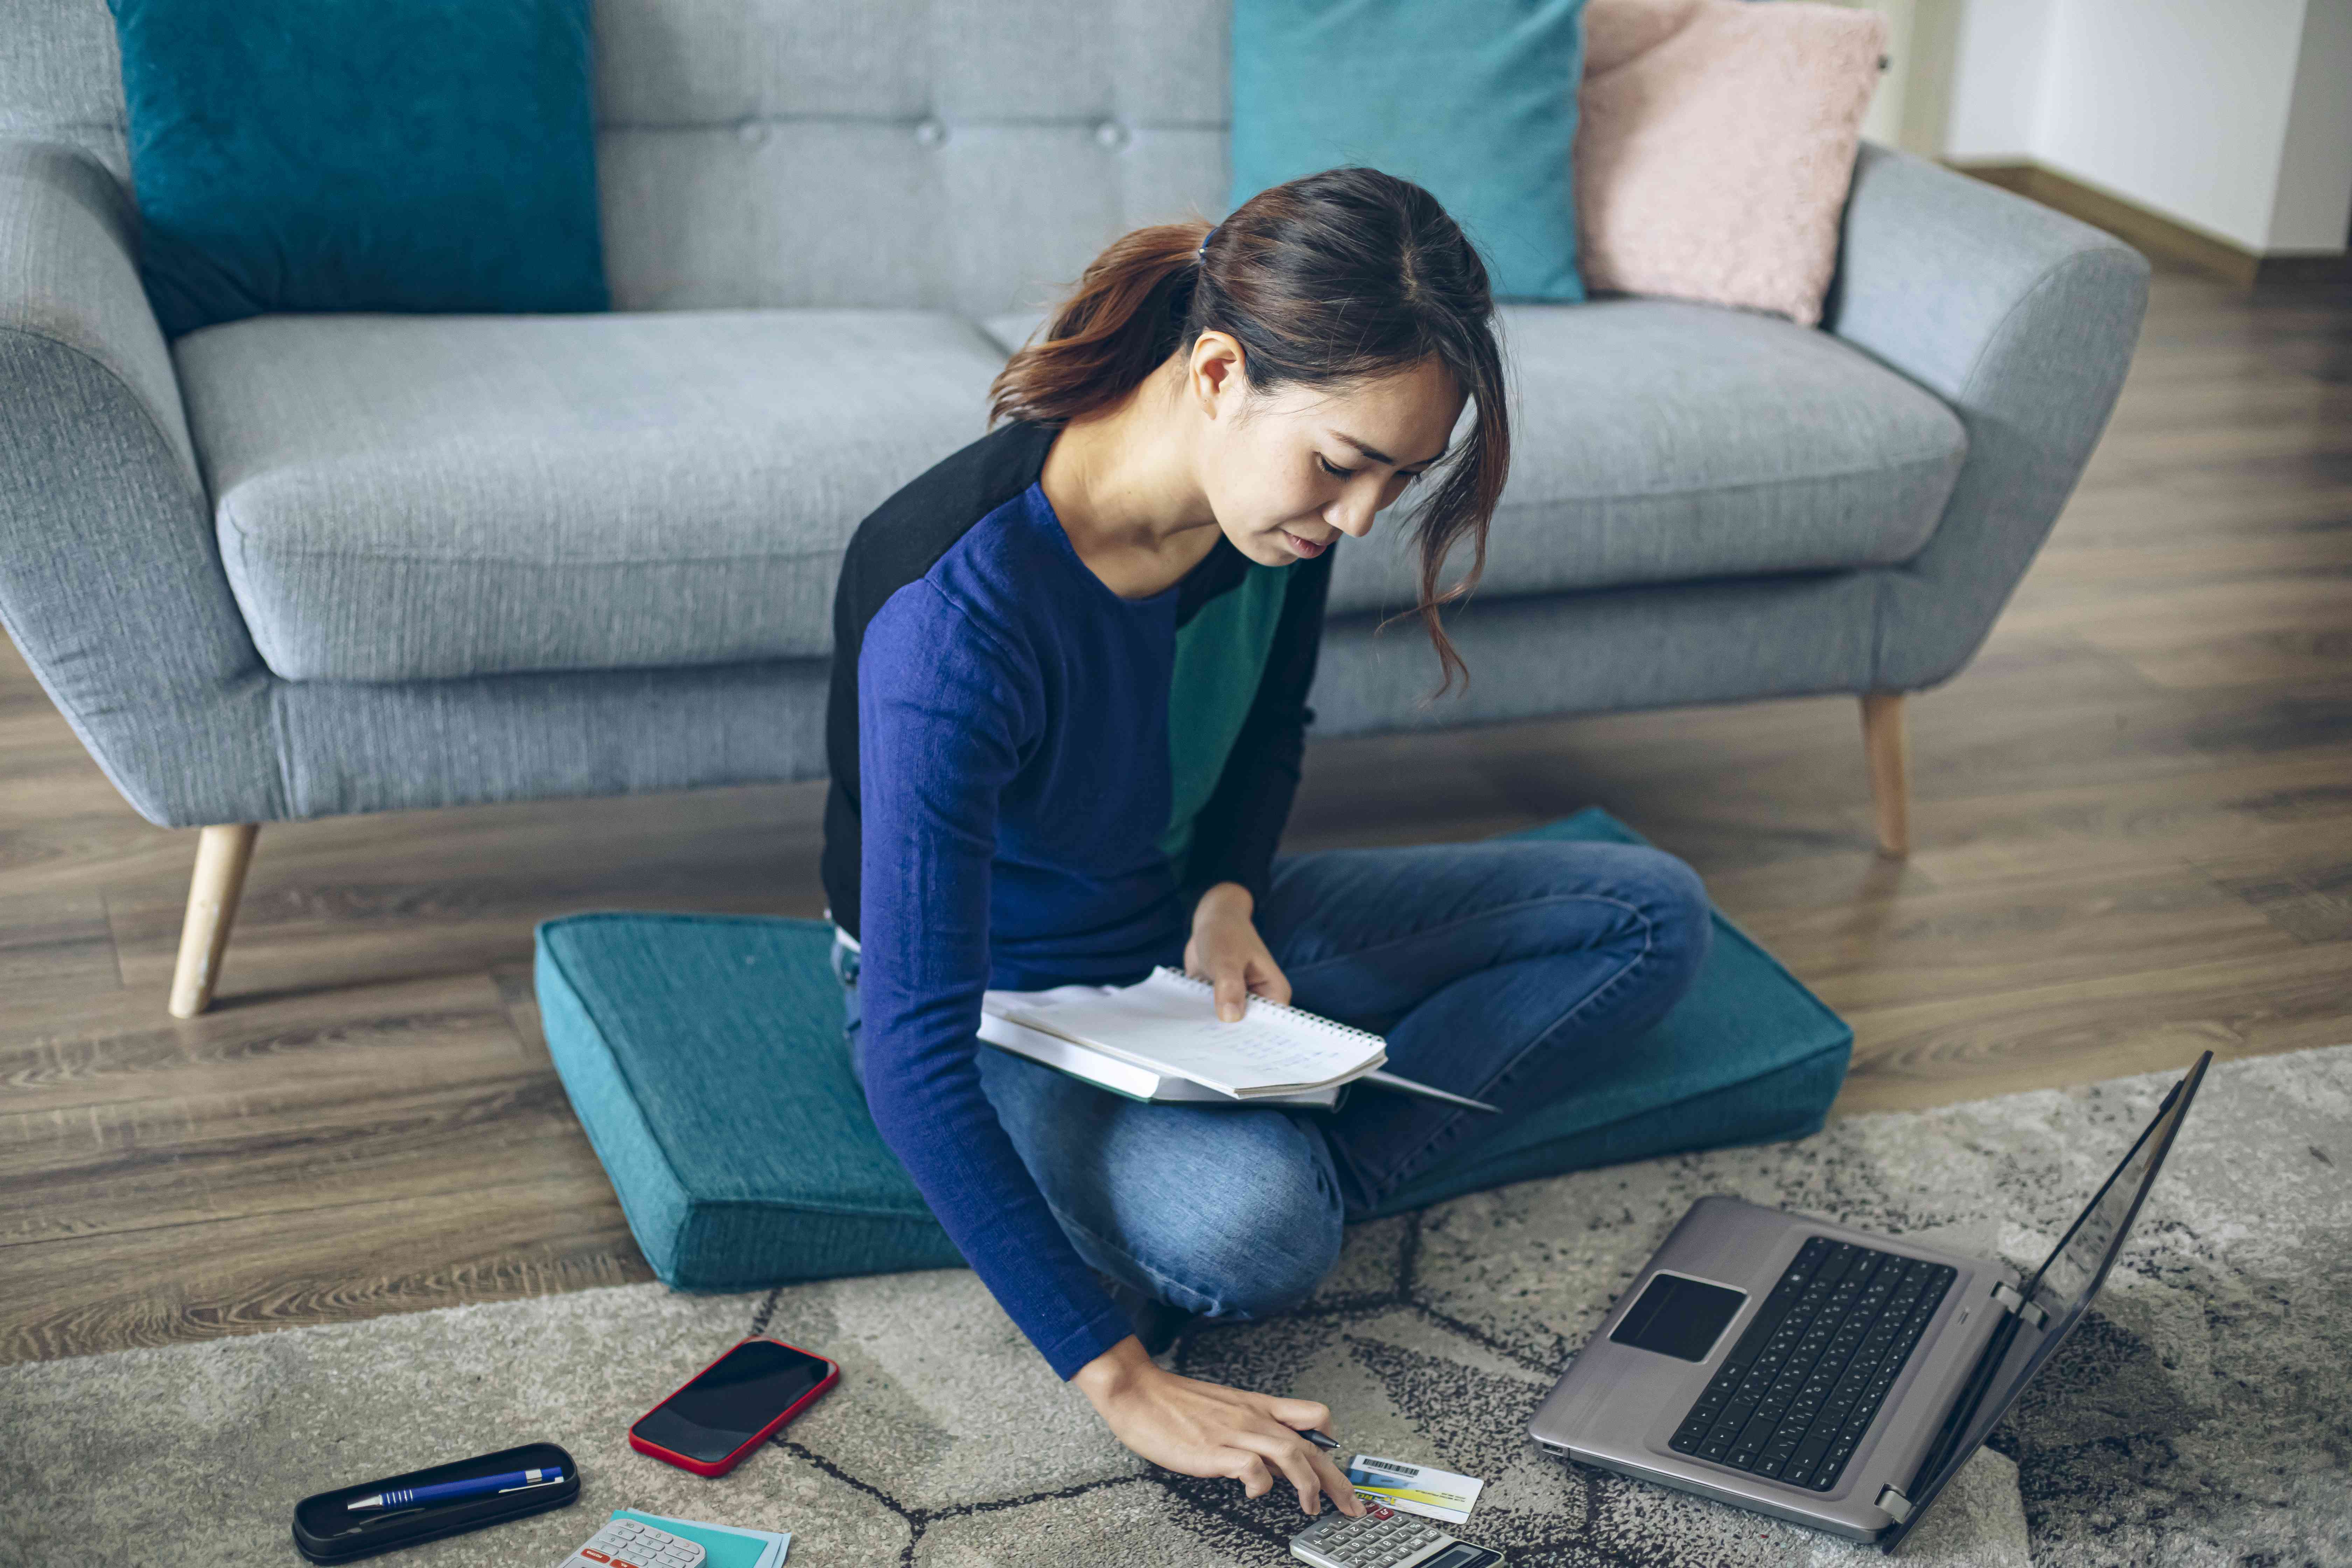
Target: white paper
x,y
1171,1026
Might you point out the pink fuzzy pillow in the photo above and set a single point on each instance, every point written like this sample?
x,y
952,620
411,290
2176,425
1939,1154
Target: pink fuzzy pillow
x,y
1715,142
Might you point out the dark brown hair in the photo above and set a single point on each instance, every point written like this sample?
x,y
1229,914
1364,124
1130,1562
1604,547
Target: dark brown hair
x,y
1345,276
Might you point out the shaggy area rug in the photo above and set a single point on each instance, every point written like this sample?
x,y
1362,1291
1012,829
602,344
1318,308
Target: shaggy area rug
x,y
2201,1416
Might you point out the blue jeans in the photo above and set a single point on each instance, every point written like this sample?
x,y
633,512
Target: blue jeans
x,y
1498,970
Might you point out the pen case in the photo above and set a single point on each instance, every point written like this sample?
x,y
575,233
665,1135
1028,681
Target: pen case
x,y
326,1530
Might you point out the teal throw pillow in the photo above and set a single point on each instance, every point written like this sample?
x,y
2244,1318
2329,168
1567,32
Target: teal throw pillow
x,y
1474,100
431,155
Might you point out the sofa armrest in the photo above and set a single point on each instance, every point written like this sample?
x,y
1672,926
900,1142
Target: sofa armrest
x,y
2024,322
110,580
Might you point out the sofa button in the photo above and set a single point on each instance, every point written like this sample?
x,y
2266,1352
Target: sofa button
x,y
1112,134
931,131
752,132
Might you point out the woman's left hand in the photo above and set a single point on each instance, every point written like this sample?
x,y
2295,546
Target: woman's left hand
x,y
1226,950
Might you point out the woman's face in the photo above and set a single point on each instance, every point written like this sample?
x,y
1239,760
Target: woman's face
x,y
1307,465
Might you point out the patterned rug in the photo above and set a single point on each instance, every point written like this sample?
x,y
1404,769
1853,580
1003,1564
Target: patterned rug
x,y
2201,1416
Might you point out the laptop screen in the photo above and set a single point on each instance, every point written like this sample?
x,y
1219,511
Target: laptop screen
x,y
2062,1288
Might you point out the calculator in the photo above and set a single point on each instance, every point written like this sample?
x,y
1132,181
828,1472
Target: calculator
x,y
1385,1538
626,1543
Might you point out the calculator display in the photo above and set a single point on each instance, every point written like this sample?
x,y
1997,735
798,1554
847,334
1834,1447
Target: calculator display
x,y
1464,1555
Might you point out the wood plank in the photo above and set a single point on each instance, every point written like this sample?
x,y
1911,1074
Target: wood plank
x,y
2199,508
180,1284
343,897
2304,891
2250,808
1981,941
2064,566
154,1163
1909,1056
69,1055
55,946
2136,615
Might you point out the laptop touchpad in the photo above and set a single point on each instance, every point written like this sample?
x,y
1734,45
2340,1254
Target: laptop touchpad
x,y
1678,1317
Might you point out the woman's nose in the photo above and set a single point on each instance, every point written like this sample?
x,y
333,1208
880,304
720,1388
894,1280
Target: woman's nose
x,y
1352,517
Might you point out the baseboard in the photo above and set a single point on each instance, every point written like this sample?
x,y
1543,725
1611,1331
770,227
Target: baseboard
x,y
2157,234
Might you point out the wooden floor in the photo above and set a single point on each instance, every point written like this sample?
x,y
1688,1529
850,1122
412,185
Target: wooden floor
x,y
2133,841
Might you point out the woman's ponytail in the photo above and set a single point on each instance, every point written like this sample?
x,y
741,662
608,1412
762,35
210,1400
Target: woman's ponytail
x,y
1111,332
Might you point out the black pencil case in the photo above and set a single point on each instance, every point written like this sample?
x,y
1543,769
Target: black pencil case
x,y
326,1530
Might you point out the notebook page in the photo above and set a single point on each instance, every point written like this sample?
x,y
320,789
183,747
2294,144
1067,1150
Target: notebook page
x,y
1171,1023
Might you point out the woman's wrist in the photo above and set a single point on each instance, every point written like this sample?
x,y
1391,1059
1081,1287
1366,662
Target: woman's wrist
x,y
1224,900
1115,1374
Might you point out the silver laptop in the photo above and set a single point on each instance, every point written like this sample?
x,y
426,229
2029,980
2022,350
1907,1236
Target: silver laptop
x,y
1833,1377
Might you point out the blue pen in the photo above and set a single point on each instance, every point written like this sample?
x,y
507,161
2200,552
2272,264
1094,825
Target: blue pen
x,y
409,1497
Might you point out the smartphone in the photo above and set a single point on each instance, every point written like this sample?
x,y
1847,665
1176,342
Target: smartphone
x,y
730,1407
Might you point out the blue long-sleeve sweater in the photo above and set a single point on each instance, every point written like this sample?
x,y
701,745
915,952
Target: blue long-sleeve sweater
x,y
1034,780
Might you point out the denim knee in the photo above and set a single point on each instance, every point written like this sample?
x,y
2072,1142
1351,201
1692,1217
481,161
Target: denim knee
x,y
1680,931
1254,1244
1680,905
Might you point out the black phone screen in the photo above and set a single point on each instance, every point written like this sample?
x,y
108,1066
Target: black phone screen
x,y
741,1392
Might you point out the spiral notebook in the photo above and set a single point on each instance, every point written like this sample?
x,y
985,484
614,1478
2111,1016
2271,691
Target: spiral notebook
x,y
1168,1025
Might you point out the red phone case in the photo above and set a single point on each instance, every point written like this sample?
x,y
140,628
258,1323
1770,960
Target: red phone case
x,y
701,1467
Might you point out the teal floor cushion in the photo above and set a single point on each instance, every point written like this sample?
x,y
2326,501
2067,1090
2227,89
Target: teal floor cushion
x,y
704,1057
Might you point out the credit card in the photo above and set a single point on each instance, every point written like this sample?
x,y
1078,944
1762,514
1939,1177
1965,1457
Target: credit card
x,y
1415,1488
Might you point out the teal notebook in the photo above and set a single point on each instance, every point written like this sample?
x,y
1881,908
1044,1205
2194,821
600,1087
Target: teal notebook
x,y
725,1546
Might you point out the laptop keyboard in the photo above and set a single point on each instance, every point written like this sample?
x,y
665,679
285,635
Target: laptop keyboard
x,y
1792,1400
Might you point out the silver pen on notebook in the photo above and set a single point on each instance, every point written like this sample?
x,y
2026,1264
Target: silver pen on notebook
x,y
1390,1080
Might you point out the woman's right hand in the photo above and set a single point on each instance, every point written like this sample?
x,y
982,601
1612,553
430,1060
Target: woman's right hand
x,y
1197,1428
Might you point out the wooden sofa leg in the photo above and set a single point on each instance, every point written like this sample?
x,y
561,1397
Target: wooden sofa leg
x,y
1889,750
222,855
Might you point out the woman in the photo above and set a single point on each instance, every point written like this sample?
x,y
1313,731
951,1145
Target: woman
x,y
1068,708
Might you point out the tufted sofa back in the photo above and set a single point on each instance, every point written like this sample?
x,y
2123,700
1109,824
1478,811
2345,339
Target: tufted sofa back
x,y
962,154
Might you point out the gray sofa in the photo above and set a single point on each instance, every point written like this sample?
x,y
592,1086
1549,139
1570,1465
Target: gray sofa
x,y
304,565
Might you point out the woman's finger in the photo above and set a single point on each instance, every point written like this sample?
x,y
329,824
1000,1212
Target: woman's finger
x,y
1335,1483
1298,1415
1250,1470
1266,976
1233,990
1294,1454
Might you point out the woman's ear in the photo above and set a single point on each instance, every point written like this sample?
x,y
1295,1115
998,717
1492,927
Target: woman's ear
x,y
1215,373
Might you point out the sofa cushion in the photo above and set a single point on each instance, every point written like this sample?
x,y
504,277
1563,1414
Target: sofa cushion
x,y
1473,100
1661,441
704,1056
1717,146
406,497
315,157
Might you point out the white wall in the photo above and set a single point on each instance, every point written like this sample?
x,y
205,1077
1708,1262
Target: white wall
x,y
2313,209
2180,106
2229,116
2000,57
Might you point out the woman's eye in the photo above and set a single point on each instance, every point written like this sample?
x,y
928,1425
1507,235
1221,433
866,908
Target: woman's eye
x,y
1342,473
